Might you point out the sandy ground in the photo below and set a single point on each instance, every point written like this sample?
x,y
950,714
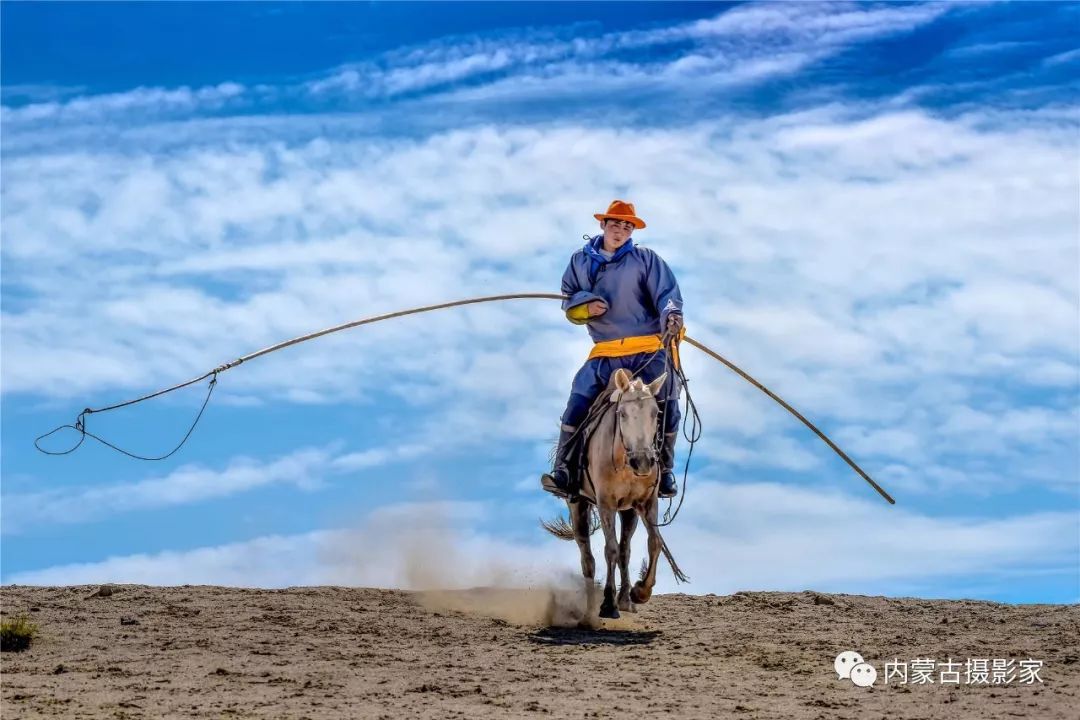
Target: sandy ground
x,y
215,652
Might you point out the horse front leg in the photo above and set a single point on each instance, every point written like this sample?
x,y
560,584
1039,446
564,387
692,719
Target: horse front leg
x,y
627,524
644,586
611,555
579,518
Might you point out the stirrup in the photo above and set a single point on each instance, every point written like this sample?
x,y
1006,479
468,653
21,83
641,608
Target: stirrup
x,y
547,482
660,488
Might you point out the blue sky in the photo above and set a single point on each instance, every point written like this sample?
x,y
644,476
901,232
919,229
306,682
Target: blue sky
x,y
870,207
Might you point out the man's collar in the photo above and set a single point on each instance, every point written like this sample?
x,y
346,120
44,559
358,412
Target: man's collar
x,y
597,243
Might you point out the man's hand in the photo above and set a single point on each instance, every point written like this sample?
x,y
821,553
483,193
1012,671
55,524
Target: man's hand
x,y
674,323
597,308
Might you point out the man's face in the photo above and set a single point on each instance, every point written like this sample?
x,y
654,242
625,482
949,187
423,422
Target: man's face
x,y
616,232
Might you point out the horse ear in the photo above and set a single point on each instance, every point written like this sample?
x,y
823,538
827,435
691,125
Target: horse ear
x,y
657,384
622,379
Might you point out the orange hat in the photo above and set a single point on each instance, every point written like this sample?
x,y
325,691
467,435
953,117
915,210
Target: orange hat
x,y
621,211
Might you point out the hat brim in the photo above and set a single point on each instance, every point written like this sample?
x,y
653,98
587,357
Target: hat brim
x,y
637,222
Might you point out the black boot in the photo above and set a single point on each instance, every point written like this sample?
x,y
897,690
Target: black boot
x,y
668,487
558,481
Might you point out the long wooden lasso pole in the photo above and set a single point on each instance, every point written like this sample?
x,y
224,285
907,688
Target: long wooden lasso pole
x,y
80,423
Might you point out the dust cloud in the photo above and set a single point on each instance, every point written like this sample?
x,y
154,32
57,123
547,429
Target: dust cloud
x,y
453,570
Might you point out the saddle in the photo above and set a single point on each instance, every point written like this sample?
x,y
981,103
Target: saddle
x,y
577,455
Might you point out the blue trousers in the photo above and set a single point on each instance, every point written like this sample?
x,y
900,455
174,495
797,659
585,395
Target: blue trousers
x,y
595,374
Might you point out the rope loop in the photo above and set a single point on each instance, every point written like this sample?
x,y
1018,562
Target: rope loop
x,y
80,427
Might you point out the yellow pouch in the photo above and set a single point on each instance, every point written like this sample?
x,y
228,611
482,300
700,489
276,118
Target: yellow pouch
x,y
579,314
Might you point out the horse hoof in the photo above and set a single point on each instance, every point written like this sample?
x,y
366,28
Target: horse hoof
x,y
610,613
639,595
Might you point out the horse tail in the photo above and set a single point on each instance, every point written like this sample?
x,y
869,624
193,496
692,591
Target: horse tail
x,y
562,528
680,576
559,527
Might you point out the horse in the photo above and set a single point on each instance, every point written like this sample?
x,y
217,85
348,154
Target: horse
x,y
622,478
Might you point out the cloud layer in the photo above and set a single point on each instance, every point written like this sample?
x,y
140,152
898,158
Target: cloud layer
x,y
763,536
865,269
745,44
903,271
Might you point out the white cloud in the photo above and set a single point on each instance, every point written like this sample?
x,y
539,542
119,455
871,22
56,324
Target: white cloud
x,y
141,100
375,457
1062,58
421,546
742,44
989,48
783,537
759,536
863,266
307,468
31,92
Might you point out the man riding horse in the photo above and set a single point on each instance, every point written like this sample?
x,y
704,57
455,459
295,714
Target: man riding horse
x,y
628,297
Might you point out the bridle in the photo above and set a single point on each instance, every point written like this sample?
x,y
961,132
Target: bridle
x,y
651,453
